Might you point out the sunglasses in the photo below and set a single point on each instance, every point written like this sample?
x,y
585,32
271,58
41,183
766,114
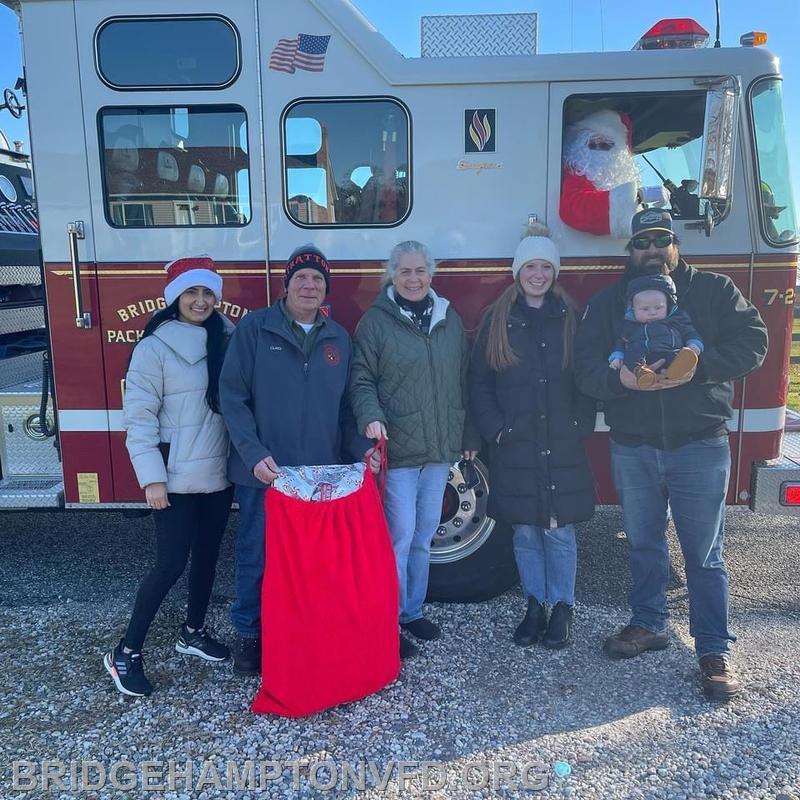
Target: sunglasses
x,y
644,242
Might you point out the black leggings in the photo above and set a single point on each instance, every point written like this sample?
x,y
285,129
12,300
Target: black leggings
x,y
192,523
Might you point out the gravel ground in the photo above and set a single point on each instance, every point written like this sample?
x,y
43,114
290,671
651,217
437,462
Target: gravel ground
x,y
474,706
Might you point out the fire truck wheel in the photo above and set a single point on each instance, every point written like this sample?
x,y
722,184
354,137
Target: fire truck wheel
x,y
472,557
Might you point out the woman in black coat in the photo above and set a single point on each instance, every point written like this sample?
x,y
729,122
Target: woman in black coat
x,y
523,397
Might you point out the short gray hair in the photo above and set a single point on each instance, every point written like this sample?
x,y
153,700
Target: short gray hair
x,y
401,249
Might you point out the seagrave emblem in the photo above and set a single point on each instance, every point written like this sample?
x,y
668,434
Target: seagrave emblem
x,y
480,128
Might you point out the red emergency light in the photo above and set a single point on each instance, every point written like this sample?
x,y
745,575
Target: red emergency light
x,y
669,34
790,494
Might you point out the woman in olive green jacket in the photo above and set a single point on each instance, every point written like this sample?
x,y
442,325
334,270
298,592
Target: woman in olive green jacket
x,y
407,384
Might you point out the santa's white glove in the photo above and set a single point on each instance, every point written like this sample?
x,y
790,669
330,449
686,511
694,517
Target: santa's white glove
x,y
654,195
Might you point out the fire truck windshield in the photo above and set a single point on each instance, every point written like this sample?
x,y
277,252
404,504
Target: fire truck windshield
x,y
776,204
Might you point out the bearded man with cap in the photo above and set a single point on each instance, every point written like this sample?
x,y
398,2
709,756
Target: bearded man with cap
x,y
669,445
283,391
525,402
601,186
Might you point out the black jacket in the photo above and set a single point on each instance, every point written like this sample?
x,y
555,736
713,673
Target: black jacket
x,y
539,469
735,343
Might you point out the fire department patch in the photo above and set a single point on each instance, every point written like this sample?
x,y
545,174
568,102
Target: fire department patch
x,y
332,355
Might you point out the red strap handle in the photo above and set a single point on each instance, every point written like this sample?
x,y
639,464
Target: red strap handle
x,y
381,447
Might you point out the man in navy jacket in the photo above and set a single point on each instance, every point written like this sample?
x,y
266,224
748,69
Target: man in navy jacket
x,y
283,394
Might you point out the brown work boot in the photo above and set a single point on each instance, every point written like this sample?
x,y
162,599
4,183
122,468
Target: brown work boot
x,y
634,640
645,377
717,678
684,362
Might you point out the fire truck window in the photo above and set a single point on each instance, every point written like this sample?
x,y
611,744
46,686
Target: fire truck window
x,y
7,190
346,162
168,53
654,140
776,200
169,167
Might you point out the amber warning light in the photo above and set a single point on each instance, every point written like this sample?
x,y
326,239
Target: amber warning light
x,y
790,494
671,34
753,39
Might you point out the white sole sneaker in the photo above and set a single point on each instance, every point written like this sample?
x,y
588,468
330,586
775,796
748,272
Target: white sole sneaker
x,y
111,670
194,651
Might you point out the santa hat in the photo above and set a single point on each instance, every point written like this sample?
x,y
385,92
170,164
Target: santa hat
x,y
536,244
183,273
614,125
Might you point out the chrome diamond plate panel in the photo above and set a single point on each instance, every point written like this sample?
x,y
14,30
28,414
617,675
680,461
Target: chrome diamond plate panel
x,y
24,275
478,35
21,494
22,451
13,320
25,369
791,446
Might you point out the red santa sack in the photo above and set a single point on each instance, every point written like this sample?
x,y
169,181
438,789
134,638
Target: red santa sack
x,y
329,595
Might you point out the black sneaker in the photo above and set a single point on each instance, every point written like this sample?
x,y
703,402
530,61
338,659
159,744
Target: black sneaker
x,y
407,648
127,672
422,628
247,655
201,643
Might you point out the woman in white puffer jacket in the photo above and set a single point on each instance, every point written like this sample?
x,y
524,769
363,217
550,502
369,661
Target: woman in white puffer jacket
x,y
178,445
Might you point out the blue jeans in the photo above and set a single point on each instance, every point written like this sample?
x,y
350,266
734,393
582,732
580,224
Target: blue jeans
x,y
546,561
693,479
413,508
249,561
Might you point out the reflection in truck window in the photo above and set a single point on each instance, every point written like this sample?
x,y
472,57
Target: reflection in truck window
x,y
776,201
346,162
622,150
175,166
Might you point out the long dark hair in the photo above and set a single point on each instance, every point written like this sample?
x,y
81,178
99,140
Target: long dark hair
x,y
216,340
499,353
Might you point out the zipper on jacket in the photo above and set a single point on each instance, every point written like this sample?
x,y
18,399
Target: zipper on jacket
x,y
439,426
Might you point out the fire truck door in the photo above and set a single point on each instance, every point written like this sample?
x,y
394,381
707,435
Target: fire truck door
x,y
67,228
170,108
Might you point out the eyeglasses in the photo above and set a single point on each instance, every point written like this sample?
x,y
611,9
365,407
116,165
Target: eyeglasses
x,y
644,242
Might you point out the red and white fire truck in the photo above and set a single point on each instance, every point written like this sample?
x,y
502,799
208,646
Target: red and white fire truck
x,y
161,129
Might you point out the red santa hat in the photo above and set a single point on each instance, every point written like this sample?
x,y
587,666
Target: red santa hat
x,y
614,125
183,273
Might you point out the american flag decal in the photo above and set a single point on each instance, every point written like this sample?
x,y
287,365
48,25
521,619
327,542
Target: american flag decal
x,y
303,52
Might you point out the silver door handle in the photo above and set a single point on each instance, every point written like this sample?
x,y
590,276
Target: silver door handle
x,y
75,231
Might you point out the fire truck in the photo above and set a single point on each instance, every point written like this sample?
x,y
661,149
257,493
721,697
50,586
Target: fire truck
x,y
165,129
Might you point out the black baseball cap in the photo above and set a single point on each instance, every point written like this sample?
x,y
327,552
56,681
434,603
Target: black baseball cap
x,y
651,219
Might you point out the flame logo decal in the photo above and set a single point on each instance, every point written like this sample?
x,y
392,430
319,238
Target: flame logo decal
x,y
480,131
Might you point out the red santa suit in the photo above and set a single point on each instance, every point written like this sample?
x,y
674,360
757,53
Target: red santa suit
x,y
600,187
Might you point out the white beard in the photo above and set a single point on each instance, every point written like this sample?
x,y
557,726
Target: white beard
x,y
604,168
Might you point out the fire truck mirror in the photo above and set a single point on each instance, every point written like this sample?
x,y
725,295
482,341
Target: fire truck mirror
x,y
719,141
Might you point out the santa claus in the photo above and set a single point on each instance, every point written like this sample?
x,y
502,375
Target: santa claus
x,y
601,188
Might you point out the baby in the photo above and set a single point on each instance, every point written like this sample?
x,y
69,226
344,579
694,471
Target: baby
x,y
654,329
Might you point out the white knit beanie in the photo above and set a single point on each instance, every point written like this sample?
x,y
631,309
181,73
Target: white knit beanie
x,y
183,273
536,244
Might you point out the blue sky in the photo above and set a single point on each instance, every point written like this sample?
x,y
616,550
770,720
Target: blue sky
x,y
564,26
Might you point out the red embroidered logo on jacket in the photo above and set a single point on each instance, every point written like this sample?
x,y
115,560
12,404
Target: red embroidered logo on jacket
x,y
332,355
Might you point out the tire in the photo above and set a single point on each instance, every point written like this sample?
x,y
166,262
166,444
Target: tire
x,y
472,557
